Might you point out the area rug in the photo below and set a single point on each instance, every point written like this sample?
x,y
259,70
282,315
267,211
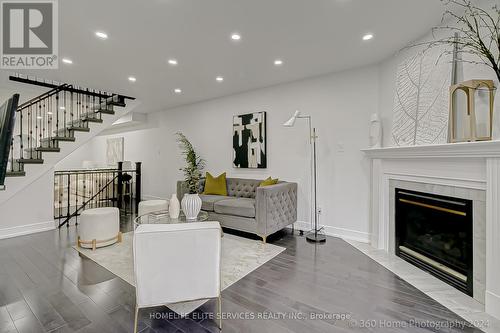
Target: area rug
x,y
240,256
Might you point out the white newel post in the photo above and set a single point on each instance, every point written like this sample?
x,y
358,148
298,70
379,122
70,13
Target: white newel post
x,y
492,297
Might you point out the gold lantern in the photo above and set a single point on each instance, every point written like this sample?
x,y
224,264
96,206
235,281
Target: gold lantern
x,y
471,111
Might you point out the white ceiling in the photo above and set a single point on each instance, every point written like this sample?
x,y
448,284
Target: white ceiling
x,y
312,37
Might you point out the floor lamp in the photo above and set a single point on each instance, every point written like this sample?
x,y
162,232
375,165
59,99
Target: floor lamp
x,y
314,235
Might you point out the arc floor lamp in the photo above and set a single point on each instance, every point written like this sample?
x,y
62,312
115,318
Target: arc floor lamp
x,y
316,235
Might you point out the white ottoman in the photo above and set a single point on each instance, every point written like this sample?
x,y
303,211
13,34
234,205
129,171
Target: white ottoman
x,y
99,227
149,206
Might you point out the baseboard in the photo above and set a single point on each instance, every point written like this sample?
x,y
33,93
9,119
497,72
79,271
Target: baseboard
x,y
350,234
492,304
26,229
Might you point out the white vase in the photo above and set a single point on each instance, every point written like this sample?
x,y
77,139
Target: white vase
x,y
191,206
174,208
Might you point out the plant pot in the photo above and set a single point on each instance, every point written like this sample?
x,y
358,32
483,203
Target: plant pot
x,y
191,206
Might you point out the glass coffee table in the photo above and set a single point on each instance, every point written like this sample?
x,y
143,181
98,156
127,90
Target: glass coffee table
x,y
162,217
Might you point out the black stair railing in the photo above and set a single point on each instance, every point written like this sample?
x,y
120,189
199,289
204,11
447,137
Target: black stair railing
x,y
77,190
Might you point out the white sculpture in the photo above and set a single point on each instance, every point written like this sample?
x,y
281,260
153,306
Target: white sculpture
x,y
375,131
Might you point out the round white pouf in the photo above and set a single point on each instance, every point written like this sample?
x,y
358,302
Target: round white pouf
x,y
99,227
149,206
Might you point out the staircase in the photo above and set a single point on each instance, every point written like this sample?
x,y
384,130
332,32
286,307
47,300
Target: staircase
x,y
48,128
45,121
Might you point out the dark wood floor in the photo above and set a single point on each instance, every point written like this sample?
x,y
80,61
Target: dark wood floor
x,y
45,286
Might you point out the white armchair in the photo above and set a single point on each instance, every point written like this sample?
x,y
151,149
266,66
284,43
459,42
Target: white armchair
x,y
177,263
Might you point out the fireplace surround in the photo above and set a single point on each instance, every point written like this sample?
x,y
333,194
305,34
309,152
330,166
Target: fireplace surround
x,y
464,170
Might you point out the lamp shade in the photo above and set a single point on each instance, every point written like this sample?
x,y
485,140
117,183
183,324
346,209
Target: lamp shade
x,y
290,122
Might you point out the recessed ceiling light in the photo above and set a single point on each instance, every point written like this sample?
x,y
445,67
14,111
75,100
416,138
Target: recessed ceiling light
x,y
67,61
101,35
219,79
38,117
177,90
132,79
62,108
235,36
367,36
49,112
172,62
278,62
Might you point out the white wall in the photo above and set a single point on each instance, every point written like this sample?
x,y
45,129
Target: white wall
x,y
30,210
340,105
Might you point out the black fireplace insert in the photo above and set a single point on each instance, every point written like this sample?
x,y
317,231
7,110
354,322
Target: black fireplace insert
x,y
434,233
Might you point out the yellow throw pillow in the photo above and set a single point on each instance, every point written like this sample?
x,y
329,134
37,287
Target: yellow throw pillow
x,y
269,181
215,185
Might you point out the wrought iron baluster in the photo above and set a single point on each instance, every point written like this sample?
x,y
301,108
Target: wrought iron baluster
x,y
21,148
68,191
64,112
48,115
57,114
76,201
30,129
61,193
12,156
87,100
72,113
42,121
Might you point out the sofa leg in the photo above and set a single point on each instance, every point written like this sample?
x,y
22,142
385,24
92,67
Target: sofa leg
x,y
264,239
94,244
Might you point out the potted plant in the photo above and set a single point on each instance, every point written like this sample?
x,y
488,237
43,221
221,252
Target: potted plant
x,y
191,202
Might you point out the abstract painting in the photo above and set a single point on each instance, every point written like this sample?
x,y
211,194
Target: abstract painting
x,y
249,141
114,151
422,98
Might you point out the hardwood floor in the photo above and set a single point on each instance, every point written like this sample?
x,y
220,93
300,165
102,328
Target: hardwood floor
x,y
45,286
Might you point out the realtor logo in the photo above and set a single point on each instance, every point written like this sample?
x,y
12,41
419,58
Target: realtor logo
x,y
29,35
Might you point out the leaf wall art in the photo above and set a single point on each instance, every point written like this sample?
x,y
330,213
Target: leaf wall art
x,y
421,100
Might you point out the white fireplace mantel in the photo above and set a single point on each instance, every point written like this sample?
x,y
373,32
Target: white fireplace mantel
x,y
482,149
474,165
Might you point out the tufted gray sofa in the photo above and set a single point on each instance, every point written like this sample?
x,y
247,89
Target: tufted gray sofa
x,y
250,208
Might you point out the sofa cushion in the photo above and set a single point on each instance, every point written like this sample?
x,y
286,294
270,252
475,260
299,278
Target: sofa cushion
x,y
268,182
208,200
236,206
215,185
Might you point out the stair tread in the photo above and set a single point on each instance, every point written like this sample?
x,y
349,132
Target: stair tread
x,y
15,173
43,149
77,122
97,111
58,138
30,160
105,111
73,128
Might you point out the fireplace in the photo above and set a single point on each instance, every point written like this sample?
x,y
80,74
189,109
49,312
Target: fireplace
x,y
434,233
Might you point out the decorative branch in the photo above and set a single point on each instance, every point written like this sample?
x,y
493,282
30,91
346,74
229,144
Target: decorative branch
x,y
478,32
194,163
